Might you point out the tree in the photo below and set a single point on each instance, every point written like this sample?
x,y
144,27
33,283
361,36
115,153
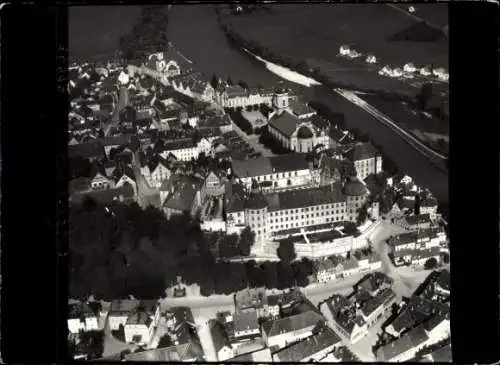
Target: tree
x,y
286,278
229,81
270,273
300,273
243,84
424,96
249,108
246,241
286,251
431,263
214,81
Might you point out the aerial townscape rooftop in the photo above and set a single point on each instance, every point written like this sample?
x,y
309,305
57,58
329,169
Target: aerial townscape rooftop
x,y
216,219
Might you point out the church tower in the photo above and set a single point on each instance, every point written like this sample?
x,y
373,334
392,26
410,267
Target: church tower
x,y
281,100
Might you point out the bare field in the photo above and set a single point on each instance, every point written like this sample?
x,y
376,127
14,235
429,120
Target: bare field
x,y
315,33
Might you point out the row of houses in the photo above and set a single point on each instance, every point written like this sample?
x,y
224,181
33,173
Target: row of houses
x,y
422,322
416,247
353,316
328,270
291,330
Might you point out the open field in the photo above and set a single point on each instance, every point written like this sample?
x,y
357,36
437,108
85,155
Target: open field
x,y
314,33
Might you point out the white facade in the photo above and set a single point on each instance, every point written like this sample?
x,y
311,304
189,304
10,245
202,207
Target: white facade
x,y
439,333
287,338
91,323
280,180
368,166
132,330
156,177
100,182
75,325
125,179
409,67
225,353
115,321
183,154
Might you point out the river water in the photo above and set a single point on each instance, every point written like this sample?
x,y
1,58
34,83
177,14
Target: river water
x,y
195,32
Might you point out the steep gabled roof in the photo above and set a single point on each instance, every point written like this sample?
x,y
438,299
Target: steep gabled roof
x,y
293,323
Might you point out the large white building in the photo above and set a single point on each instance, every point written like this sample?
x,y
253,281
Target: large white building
x,y
268,214
234,96
280,172
367,160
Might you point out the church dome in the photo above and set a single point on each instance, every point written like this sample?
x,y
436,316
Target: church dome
x,y
354,187
304,133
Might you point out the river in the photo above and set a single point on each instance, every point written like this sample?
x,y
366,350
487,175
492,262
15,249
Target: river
x,y
195,32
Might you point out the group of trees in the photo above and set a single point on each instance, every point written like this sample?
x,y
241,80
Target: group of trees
x,y
148,35
91,344
125,250
233,245
241,121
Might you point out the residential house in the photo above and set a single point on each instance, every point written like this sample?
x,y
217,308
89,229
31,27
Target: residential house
x,y
184,197
119,312
437,327
348,267
417,246
313,348
213,184
415,222
417,311
285,331
346,318
325,271
366,158
187,352
98,177
405,347
373,283
183,150
442,283
246,326
115,142
125,175
139,327
250,300
375,307
81,318
222,345
273,307
121,309
429,205
155,172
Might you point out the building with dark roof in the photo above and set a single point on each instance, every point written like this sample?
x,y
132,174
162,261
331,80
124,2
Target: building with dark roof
x,y
222,344
405,347
313,348
367,160
187,352
288,330
346,318
299,132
